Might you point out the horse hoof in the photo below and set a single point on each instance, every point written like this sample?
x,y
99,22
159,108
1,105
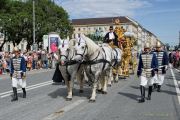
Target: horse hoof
x,y
81,91
99,90
68,99
92,101
104,92
109,85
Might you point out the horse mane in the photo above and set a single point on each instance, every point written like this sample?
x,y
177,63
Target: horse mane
x,y
92,46
72,43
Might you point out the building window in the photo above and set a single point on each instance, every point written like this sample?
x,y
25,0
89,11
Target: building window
x,y
84,29
79,29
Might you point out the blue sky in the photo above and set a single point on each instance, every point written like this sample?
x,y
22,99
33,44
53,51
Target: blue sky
x,y
161,17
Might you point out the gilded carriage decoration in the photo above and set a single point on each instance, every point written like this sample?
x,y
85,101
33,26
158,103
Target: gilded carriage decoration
x,y
126,41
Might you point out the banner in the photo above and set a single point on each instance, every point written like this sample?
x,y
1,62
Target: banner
x,y
54,43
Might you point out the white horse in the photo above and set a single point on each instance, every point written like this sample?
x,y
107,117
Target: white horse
x,y
70,69
96,61
117,56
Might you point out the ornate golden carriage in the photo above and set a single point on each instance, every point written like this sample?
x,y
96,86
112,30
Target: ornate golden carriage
x,y
126,41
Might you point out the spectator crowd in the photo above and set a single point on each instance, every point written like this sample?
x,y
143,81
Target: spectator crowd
x,y
174,58
40,59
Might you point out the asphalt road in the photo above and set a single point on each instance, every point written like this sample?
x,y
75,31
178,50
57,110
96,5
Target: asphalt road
x,y
46,101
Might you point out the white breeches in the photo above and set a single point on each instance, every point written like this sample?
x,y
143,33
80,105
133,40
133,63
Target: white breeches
x,y
159,79
20,82
146,81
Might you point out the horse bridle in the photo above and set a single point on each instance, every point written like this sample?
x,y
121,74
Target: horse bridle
x,y
82,55
66,57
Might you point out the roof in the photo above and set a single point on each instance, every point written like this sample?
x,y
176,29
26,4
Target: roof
x,y
105,20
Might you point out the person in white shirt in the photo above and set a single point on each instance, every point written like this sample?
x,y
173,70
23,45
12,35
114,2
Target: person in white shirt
x,y
111,36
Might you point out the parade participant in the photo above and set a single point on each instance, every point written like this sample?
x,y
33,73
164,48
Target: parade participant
x,y
18,73
111,37
146,71
162,66
57,77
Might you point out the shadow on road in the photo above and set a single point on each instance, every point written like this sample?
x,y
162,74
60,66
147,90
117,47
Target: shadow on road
x,y
169,92
129,95
135,87
62,92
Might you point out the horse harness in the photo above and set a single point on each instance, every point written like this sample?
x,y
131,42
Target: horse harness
x,y
68,63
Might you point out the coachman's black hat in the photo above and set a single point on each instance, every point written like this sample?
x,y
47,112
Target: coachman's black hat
x,y
111,27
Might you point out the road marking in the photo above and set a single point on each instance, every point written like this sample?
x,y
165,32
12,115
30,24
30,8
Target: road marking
x,y
27,87
177,70
8,93
176,85
178,82
28,73
60,112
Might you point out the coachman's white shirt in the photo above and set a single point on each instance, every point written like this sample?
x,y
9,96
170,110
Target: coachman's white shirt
x,y
111,35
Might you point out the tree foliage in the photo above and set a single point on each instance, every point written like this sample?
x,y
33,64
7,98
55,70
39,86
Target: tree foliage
x,y
95,37
16,21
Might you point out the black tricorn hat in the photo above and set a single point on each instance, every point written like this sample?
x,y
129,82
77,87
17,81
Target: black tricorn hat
x,y
111,27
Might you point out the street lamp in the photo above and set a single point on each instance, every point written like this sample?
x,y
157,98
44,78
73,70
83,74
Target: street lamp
x,y
34,35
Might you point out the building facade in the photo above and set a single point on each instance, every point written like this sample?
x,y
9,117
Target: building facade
x,y
8,46
100,26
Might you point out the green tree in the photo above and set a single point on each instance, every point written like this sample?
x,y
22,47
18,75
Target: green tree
x,y
16,20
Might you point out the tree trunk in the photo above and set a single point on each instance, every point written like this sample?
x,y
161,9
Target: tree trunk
x,y
2,45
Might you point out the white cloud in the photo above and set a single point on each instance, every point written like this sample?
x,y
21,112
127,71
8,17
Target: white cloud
x,y
161,11
102,8
161,0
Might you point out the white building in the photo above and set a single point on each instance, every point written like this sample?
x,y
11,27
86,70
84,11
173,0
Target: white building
x,y
101,26
8,46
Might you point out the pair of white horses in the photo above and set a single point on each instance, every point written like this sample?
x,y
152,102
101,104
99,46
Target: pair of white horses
x,y
84,55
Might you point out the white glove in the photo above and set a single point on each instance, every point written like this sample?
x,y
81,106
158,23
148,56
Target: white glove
x,y
55,56
166,67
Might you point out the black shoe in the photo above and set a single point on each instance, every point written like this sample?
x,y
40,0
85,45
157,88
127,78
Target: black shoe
x,y
141,100
24,92
149,93
142,89
149,98
159,88
15,97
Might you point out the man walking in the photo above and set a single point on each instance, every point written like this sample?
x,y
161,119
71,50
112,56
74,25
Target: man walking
x,y
162,66
18,73
146,71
